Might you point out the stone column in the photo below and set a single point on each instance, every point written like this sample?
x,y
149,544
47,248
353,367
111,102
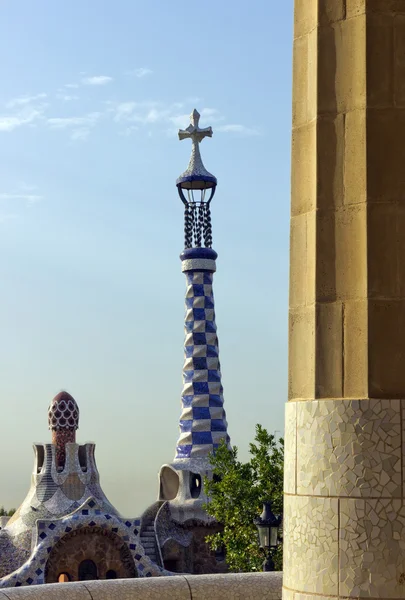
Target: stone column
x,y
344,484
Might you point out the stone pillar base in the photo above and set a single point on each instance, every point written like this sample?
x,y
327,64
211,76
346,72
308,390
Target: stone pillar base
x,y
344,513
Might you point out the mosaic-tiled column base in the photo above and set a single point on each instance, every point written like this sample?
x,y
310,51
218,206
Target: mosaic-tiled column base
x,y
344,510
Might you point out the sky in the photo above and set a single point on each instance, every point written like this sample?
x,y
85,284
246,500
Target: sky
x,y
91,227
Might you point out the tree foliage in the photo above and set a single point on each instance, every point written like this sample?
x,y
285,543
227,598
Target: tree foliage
x,y
6,513
237,492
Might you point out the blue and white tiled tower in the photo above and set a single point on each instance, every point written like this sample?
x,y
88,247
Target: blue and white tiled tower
x,y
203,421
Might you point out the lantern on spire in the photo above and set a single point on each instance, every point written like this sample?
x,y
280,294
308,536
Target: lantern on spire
x,y
196,187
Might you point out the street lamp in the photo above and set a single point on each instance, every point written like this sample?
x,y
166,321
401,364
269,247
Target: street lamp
x,y
268,525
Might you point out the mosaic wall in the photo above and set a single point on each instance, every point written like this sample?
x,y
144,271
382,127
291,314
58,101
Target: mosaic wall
x,y
311,529
90,514
60,439
290,449
349,448
235,586
58,503
203,422
372,540
346,461
55,493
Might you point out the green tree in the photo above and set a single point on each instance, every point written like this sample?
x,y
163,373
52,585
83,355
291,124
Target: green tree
x,y
237,492
6,513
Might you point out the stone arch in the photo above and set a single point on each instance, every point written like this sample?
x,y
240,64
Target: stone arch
x,y
106,549
88,570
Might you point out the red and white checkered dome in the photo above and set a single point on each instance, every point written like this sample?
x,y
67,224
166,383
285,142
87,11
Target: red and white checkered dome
x,y
63,413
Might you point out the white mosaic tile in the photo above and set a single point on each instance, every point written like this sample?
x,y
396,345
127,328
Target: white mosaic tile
x,y
175,588
90,514
298,596
311,544
58,591
290,448
238,586
288,594
235,586
372,548
349,448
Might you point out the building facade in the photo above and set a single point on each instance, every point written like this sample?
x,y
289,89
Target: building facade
x,y
66,529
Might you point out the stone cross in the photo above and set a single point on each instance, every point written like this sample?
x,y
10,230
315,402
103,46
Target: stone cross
x,y
193,131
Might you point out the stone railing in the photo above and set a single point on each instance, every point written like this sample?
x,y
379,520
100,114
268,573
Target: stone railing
x,y
235,586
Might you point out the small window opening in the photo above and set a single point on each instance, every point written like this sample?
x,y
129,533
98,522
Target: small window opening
x,y
88,570
220,554
83,458
40,458
195,485
64,578
171,565
111,574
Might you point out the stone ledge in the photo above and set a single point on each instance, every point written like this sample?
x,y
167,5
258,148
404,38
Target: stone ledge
x,y
235,586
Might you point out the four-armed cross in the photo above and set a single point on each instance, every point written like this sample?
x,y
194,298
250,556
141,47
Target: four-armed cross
x,y
194,132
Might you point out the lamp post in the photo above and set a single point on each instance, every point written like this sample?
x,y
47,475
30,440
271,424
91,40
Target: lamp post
x,y
268,525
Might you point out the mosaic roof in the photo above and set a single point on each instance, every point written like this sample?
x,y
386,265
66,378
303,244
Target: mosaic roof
x,y
63,413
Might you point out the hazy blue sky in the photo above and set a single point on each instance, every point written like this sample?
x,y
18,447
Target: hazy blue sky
x,y
91,226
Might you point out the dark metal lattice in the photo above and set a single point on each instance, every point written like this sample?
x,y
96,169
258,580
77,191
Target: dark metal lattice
x,y
197,221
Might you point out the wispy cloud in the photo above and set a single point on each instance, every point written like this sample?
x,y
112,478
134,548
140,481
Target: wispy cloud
x,y
152,116
129,116
212,114
208,115
80,135
141,112
12,203
237,128
193,100
24,110
66,97
173,117
97,80
124,111
141,72
180,121
24,100
29,198
130,130
11,122
27,187
88,120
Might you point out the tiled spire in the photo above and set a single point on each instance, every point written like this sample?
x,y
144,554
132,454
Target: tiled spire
x,y
203,422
